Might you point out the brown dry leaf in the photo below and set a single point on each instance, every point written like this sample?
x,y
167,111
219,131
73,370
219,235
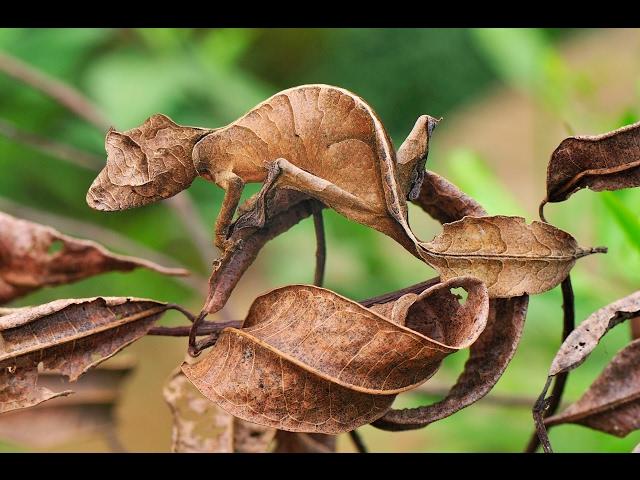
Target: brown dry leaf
x,y
602,162
67,336
581,342
145,164
310,360
33,256
89,411
612,402
488,359
491,353
201,426
509,256
287,209
320,140
444,201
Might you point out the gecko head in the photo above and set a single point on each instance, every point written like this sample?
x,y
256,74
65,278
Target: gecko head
x,y
145,164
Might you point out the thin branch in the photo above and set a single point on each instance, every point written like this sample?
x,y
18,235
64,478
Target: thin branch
x,y
321,248
635,328
65,95
50,147
551,405
190,217
518,401
357,441
76,102
391,296
204,328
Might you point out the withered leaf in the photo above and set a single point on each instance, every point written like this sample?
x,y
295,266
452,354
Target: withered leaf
x,y
201,426
602,162
320,140
66,336
89,411
145,164
310,360
581,342
511,257
488,359
492,352
612,402
444,201
34,256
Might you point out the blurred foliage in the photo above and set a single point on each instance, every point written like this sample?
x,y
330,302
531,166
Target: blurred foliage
x,y
209,77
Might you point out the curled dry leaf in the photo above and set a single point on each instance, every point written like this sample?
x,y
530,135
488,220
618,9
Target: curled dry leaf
x,y
90,410
491,353
488,359
444,201
579,345
286,210
310,360
511,257
612,402
201,426
67,336
320,140
34,256
603,162
581,342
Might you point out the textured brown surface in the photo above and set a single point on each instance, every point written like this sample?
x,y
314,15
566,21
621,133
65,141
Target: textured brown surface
x,y
310,360
444,201
511,257
27,261
610,161
581,342
145,164
612,402
66,336
322,141
89,411
491,353
488,359
200,426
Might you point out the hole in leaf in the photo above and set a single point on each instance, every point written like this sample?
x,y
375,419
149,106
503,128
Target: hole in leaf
x,y
460,293
55,247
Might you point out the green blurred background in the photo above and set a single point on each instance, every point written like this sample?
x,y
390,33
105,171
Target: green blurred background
x,y
508,97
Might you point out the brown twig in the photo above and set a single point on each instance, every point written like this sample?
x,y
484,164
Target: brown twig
x,y
76,102
357,441
204,328
517,401
550,406
65,95
321,248
50,147
634,324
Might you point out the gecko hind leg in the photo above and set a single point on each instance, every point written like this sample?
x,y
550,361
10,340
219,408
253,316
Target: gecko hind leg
x,y
256,214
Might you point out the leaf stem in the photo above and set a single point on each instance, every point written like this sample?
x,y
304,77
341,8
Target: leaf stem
x,y
551,405
357,441
321,247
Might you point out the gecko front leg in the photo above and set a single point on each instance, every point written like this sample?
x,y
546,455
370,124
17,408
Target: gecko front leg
x,y
233,185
